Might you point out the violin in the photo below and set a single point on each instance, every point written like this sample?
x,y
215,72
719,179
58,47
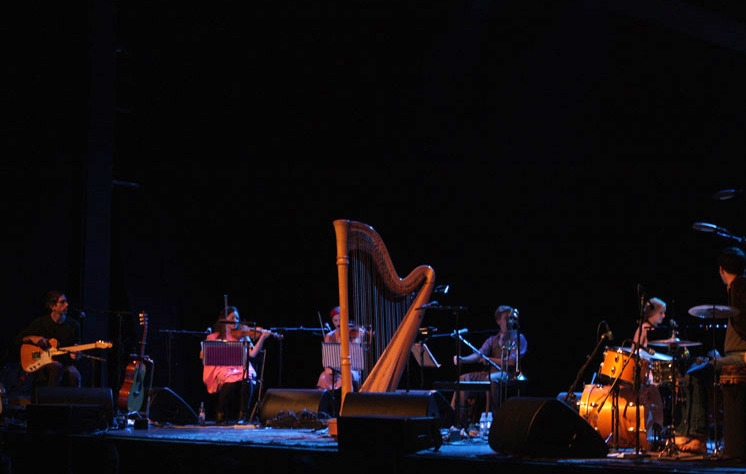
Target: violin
x,y
253,332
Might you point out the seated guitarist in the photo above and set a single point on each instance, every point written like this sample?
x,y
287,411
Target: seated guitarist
x,y
54,329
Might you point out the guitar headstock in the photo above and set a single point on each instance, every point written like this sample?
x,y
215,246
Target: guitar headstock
x,y
143,318
103,345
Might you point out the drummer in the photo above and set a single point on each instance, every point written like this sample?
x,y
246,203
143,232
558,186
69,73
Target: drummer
x,y
653,315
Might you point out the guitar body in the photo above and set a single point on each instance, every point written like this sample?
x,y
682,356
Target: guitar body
x,y
132,393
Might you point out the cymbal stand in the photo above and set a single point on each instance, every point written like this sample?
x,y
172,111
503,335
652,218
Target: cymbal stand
x,y
715,384
670,448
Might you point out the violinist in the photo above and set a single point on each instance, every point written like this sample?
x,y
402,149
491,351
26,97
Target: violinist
x,y
233,384
331,379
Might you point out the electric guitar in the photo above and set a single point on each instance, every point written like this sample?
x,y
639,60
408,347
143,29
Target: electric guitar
x,y
132,393
34,357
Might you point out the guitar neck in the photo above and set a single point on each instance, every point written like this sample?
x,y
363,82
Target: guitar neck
x,y
81,347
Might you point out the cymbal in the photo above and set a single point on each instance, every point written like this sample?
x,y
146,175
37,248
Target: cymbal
x,y
710,311
648,356
674,341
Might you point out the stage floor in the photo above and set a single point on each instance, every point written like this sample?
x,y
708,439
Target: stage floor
x,y
194,448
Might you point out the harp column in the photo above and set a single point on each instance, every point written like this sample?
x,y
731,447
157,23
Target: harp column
x,y
343,265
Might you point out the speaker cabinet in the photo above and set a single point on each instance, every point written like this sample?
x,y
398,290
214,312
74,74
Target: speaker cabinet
x,y
543,427
167,407
296,400
389,423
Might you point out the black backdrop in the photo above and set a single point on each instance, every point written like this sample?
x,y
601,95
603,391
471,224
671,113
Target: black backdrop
x,y
549,156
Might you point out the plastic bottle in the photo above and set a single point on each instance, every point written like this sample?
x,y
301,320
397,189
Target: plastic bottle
x,y
482,424
202,413
488,424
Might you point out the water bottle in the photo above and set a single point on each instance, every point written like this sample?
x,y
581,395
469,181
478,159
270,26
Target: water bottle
x,y
202,413
482,424
488,424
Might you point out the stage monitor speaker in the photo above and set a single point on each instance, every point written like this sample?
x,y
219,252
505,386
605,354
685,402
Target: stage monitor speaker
x,y
167,407
70,409
390,423
102,397
544,427
400,403
296,400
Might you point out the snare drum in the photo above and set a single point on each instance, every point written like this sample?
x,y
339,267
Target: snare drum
x,y
620,363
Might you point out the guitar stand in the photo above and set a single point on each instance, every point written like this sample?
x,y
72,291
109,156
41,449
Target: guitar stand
x,y
260,387
148,362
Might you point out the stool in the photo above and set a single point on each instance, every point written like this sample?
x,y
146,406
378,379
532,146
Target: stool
x,y
463,387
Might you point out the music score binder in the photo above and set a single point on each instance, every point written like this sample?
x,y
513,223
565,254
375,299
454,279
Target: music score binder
x,y
225,353
330,356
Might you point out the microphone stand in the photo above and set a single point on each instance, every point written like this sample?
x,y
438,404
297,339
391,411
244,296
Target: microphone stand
x,y
637,376
490,361
571,391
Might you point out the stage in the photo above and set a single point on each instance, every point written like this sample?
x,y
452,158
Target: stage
x,y
386,443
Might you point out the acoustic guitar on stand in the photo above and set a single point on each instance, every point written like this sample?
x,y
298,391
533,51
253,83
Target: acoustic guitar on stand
x,y
34,357
133,389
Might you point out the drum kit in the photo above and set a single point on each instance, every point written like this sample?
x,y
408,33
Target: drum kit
x,y
620,367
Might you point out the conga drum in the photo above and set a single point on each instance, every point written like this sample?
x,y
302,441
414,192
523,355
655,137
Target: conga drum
x,y
733,386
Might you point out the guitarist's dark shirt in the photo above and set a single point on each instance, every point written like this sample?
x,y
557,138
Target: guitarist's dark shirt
x,y
67,333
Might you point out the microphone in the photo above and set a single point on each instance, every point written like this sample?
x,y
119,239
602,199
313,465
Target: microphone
x,y
459,332
673,323
80,314
608,335
326,326
208,330
432,304
442,289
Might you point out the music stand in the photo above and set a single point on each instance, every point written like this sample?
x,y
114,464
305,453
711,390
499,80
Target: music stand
x,y
331,358
423,355
424,358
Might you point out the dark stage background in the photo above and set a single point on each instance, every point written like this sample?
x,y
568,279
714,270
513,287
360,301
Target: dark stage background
x,y
548,155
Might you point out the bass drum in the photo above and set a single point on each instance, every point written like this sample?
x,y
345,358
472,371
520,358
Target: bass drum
x,y
600,409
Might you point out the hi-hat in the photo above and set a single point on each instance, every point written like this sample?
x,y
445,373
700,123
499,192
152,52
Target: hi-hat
x,y
673,342
712,311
